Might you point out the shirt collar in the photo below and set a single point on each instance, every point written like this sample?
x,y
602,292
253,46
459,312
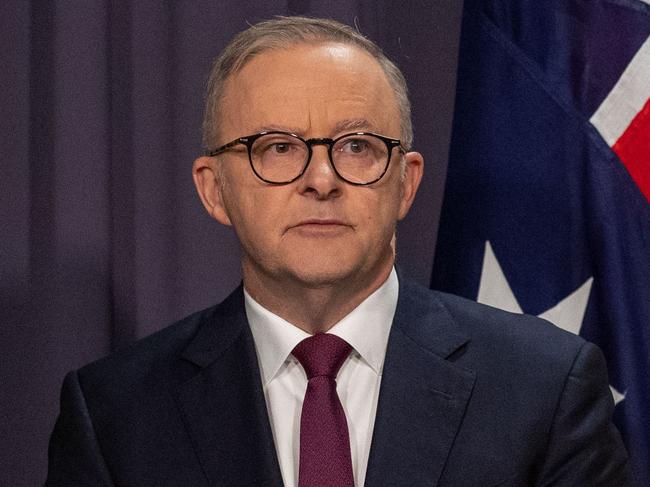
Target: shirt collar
x,y
366,329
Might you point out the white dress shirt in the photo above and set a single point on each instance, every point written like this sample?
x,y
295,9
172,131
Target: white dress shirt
x,y
284,380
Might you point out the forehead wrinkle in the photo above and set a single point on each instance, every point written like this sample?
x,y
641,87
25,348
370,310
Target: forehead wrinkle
x,y
309,121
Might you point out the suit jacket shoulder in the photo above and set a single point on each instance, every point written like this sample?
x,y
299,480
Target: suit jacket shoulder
x,y
474,395
160,355
181,407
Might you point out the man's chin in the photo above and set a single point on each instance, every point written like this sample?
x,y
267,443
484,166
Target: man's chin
x,y
321,278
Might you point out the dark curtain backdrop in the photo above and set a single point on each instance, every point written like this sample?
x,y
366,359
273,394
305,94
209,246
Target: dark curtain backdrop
x,y
103,239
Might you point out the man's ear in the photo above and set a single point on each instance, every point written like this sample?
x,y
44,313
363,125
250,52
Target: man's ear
x,y
413,170
206,174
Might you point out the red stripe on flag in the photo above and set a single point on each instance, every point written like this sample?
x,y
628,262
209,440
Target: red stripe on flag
x,y
633,148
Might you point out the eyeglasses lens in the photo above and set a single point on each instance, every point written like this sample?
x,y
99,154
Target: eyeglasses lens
x,y
360,158
279,158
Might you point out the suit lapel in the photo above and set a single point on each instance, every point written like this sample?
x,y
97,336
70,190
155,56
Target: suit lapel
x,y
423,395
223,404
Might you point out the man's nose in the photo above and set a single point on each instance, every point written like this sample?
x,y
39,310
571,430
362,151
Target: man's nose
x,y
320,179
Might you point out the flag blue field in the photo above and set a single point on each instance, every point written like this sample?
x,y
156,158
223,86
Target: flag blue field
x,y
547,201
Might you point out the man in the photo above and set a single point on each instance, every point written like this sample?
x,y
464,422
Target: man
x,y
325,368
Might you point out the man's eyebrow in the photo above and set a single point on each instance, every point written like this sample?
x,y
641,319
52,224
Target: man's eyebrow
x,y
277,128
346,125
353,124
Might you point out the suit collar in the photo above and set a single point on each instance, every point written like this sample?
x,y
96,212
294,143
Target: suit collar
x,y
421,316
223,404
423,395
221,326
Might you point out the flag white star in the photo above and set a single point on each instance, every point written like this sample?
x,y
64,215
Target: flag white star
x,y
568,314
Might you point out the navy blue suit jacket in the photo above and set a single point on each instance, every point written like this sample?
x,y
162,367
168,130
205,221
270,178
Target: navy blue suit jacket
x,y
470,396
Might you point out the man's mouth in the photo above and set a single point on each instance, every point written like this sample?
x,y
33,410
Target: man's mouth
x,y
320,226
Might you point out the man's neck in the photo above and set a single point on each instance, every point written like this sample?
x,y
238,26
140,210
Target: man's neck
x,y
312,308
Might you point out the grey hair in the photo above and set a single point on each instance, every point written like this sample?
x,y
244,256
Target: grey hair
x,y
284,32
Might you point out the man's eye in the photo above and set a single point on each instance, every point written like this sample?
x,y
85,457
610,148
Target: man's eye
x,y
274,147
355,146
281,148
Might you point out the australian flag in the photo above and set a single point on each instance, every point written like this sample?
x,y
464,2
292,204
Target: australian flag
x,y
547,201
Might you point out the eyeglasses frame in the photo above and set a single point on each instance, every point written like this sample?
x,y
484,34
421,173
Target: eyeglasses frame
x,y
249,140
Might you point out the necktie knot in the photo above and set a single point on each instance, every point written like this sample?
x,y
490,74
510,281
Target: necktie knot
x,y
322,354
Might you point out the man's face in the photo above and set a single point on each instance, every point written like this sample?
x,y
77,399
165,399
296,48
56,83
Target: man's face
x,y
317,230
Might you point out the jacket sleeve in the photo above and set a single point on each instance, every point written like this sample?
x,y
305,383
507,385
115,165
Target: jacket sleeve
x,y
585,448
74,454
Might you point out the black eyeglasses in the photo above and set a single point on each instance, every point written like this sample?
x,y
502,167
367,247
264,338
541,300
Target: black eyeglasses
x,y
359,158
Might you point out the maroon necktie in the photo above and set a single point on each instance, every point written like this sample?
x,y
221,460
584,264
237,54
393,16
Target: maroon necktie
x,y
325,459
